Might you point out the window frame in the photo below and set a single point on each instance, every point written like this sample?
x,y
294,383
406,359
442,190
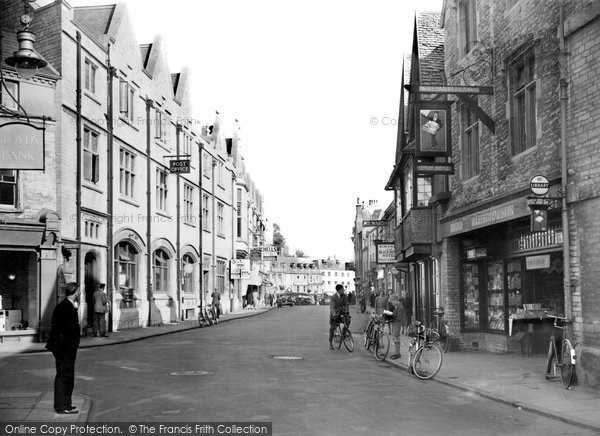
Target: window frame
x,y
160,270
127,173
523,126
468,32
470,151
15,187
89,77
91,154
188,203
162,189
12,97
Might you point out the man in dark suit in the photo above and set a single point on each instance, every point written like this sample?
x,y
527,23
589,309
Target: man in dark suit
x,y
63,342
337,307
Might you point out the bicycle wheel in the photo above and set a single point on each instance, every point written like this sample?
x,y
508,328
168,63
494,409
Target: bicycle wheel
x,y
552,359
427,361
337,337
215,317
567,367
411,354
381,346
444,339
348,339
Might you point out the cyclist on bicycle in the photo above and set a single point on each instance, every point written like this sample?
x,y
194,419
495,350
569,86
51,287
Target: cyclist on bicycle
x,y
338,309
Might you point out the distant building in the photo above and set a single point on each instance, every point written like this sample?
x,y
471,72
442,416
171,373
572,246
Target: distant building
x,y
333,273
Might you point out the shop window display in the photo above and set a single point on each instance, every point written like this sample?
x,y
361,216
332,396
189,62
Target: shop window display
x,y
471,296
495,287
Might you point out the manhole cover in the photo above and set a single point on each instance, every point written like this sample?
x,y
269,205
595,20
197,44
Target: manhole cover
x,y
288,357
189,373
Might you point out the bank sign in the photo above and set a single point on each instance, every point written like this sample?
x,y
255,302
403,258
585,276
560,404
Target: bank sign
x,y
22,146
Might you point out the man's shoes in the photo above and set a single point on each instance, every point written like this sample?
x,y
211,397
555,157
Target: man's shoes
x,y
67,411
70,408
331,346
395,356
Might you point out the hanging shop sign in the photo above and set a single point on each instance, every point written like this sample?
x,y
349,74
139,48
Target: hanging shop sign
x,y
374,223
269,252
433,128
539,185
430,168
22,146
385,253
181,166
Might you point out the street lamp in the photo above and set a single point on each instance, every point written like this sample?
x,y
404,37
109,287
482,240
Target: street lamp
x,y
26,59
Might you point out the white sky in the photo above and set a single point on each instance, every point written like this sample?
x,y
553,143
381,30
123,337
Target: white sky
x,y
304,78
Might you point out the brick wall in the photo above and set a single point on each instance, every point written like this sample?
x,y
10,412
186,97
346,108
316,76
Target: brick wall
x,y
583,118
501,33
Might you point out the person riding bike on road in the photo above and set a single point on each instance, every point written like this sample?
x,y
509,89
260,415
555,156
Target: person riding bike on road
x,y
337,307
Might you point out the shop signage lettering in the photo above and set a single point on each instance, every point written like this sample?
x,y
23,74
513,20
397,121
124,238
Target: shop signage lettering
x,y
180,166
492,216
373,223
386,253
495,215
537,262
22,146
240,268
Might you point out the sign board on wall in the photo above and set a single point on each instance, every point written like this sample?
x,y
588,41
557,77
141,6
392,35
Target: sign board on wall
x,y
22,146
374,223
239,268
386,252
537,262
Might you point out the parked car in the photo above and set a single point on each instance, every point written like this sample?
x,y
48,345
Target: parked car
x,y
325,301
285,301
304,301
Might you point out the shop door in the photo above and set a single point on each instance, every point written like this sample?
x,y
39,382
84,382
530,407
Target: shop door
x,y
91,282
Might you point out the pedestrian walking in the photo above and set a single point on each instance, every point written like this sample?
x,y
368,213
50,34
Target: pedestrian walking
x,y
100,309
398,321
216,302
63,342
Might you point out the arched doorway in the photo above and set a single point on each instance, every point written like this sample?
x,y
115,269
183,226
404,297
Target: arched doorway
x,y
90,283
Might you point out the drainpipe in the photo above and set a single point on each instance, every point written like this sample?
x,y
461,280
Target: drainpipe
x,y
563,157
178,128
200,228
214,227
79,151
112,73
149,291
233,239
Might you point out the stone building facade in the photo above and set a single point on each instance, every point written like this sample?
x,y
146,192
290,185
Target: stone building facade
x,y
126,218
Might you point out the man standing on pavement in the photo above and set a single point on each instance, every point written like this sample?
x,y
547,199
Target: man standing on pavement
x,y
337,307
63,342
398,320
100,309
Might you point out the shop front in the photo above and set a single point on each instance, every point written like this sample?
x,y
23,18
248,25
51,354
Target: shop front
x,y
509,278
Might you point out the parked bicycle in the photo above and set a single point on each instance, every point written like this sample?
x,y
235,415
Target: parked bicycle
x,y
381,341
424,357
441,328
368,334
561,351
207,315
342,333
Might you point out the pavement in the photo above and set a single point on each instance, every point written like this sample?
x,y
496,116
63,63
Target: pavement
x,y
512,379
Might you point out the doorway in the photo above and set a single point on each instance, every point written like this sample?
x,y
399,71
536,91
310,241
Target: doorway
x,y
91,282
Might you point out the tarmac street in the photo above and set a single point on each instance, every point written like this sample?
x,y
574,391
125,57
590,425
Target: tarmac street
x,y
274,367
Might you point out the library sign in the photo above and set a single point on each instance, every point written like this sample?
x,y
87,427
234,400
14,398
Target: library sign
x,y
22,146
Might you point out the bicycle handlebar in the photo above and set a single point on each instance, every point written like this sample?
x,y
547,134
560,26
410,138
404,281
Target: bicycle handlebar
x,y
557,318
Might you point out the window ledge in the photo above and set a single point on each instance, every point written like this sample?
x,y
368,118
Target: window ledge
x,y
221,235
128,201
524,153
471,180
128,123
189,224
92,97
92,186
10,209
164,214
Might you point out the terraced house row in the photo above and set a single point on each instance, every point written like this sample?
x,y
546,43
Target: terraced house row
x,y
495,94
107,207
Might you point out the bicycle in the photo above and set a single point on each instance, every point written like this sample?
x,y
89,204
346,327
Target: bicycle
x,y
342,333
424,357
381,341
442,330
369,331
565,360
207,315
